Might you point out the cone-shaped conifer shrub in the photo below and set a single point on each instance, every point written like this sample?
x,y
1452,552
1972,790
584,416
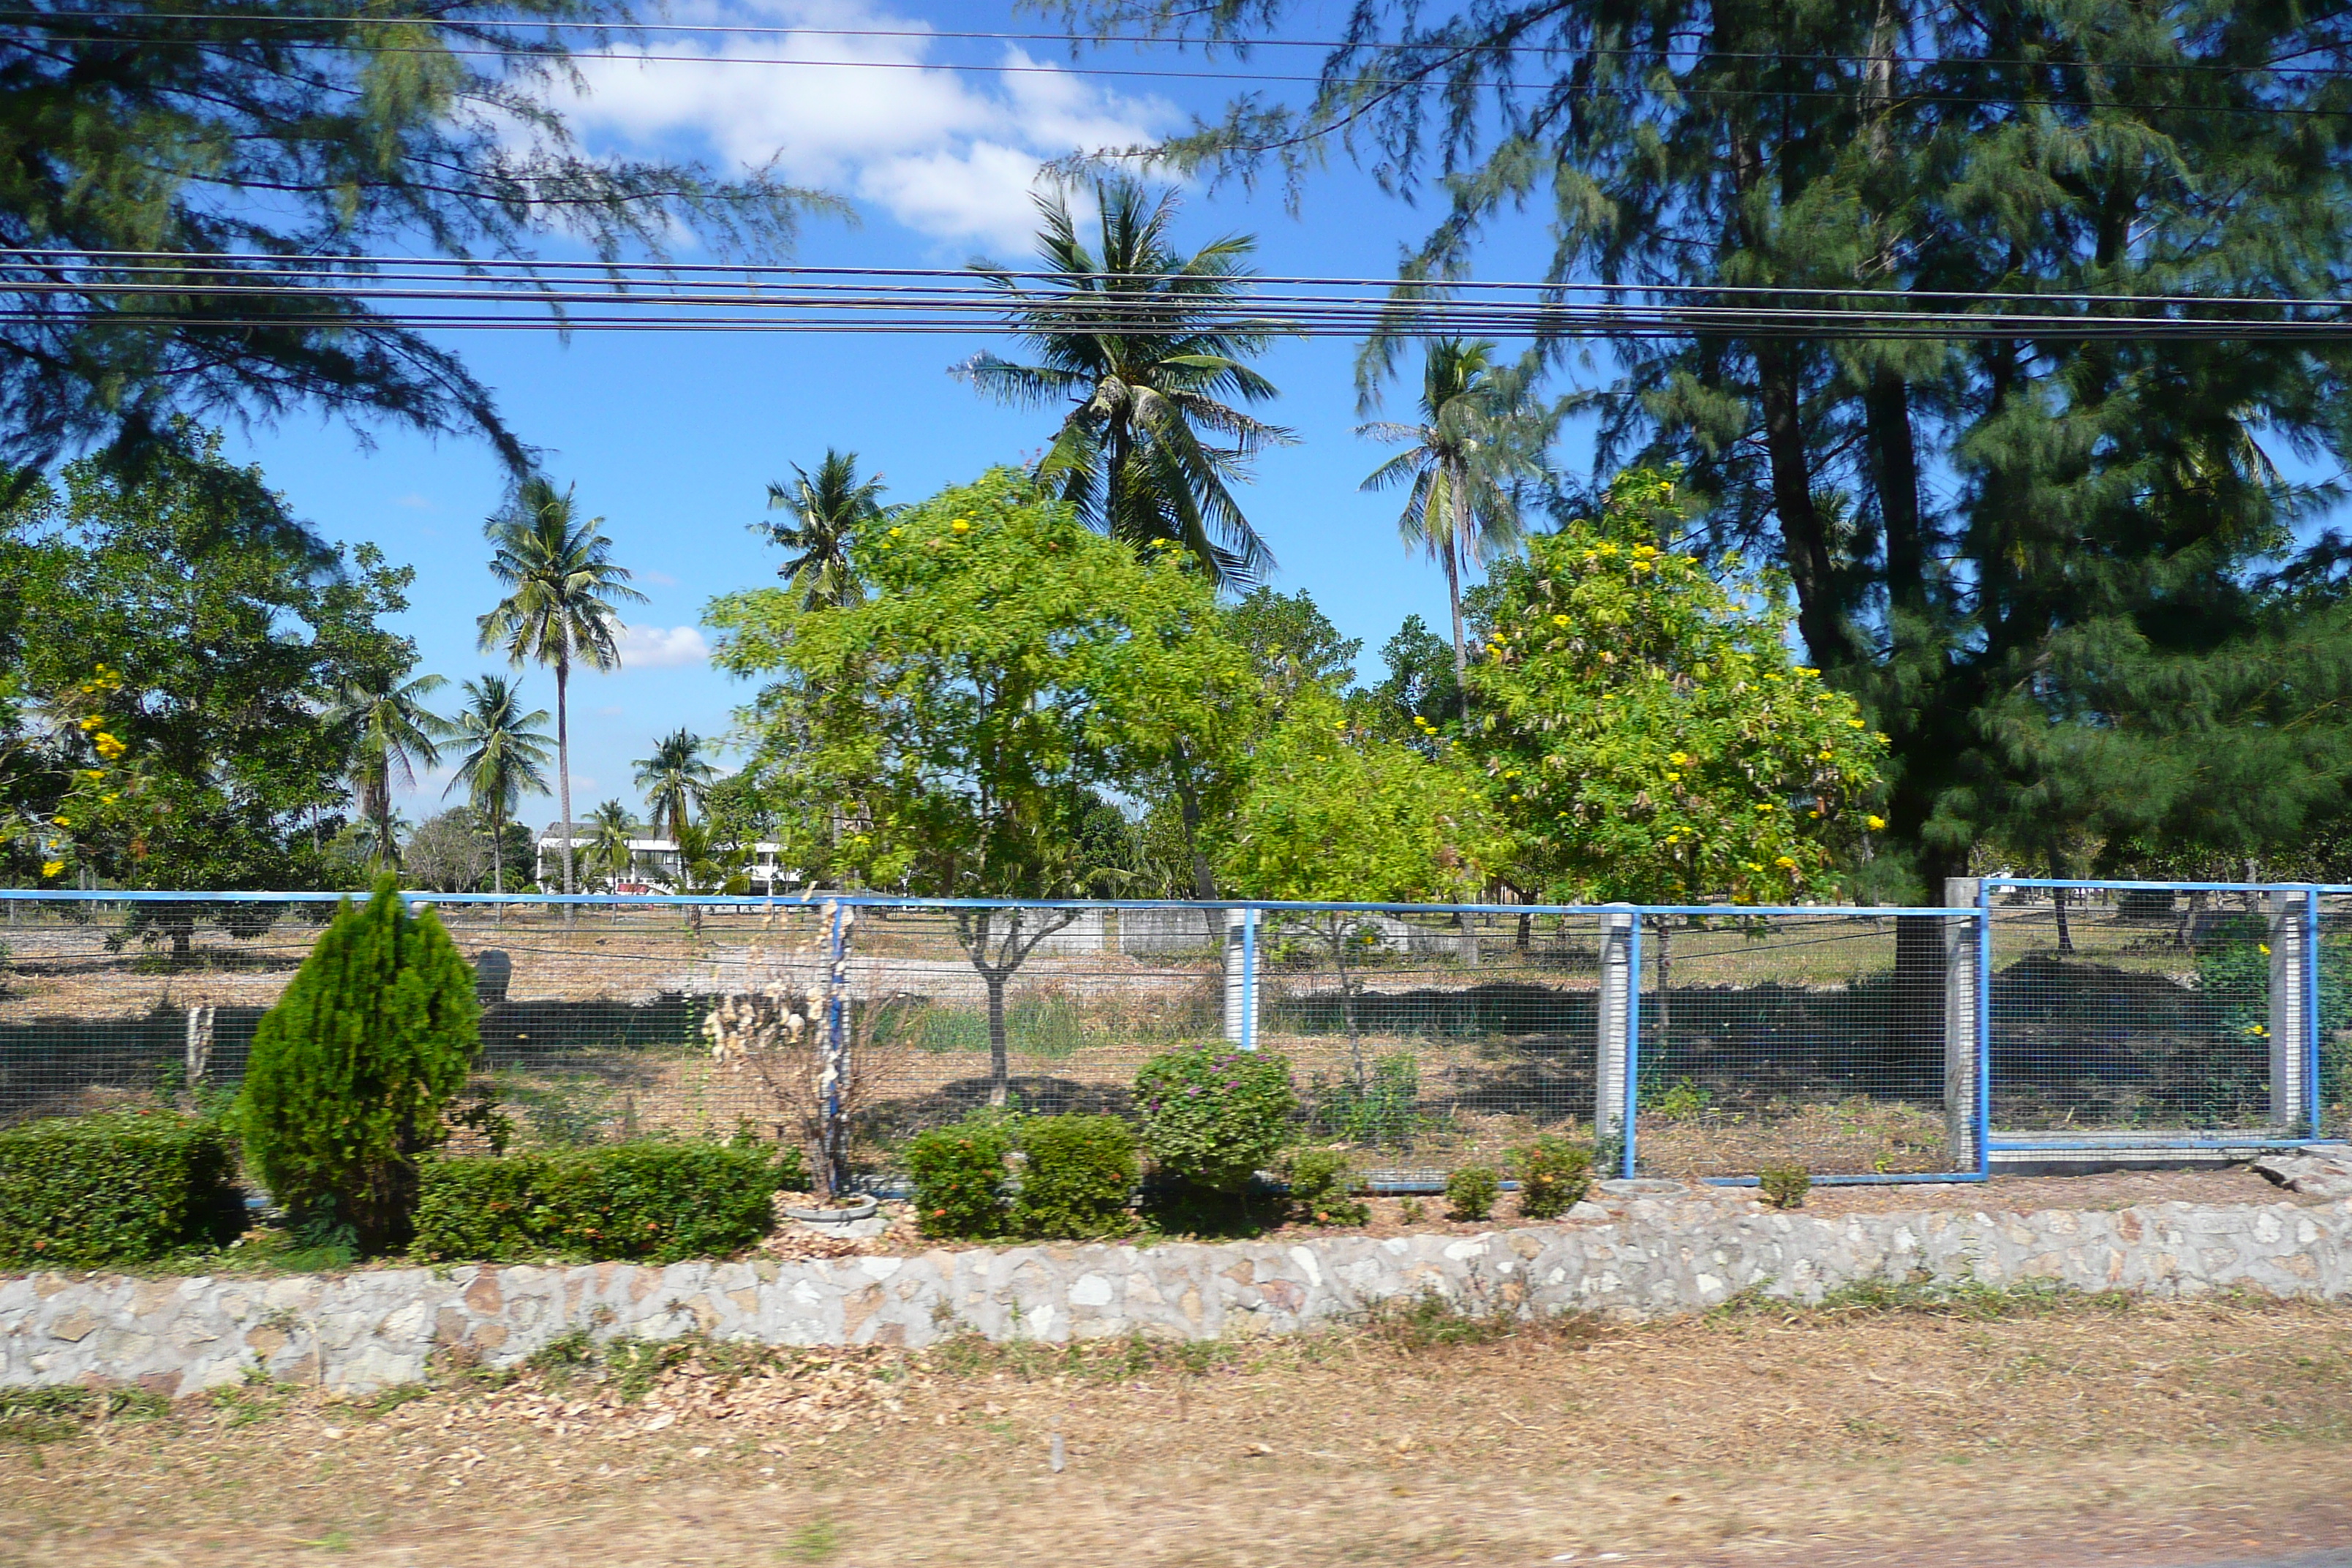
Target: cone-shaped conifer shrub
x,y
352,1068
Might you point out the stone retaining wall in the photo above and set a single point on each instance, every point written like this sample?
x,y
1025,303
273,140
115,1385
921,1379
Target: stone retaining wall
x,y
1638,1257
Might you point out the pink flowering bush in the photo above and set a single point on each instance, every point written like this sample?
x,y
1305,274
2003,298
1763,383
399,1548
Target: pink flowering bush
x,y
1214,1115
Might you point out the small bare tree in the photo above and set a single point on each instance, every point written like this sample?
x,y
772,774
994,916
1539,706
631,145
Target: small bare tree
x,y
818,1070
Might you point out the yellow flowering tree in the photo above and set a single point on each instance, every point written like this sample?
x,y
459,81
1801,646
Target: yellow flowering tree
x,y
954,733
1645,733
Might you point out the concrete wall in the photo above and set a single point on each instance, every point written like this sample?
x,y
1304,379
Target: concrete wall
x,y
1638,1257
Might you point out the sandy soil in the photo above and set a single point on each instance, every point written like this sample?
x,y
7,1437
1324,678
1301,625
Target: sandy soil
x,y
1992,1433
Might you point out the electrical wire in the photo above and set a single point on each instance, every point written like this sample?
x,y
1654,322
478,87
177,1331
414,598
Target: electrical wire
x,y
199,292
1446,45
512,269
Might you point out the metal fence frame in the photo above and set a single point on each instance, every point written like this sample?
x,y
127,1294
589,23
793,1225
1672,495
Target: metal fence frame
x,y
2293,1000
2295,984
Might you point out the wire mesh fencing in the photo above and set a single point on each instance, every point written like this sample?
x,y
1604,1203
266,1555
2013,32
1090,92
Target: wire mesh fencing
x,y
1683,1042
2332,985
1818,1042
2133,1010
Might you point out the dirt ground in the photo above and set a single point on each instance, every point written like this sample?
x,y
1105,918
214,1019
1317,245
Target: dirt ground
x,y
1992,1431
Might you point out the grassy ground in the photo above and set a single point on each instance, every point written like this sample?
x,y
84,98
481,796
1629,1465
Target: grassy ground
x,y
1885,1428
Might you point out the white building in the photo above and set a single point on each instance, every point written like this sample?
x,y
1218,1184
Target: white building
x,y
655,864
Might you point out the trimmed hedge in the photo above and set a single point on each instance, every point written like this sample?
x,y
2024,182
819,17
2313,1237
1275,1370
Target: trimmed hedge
x,y
959,1176
126,1186
649,1202
1079,1178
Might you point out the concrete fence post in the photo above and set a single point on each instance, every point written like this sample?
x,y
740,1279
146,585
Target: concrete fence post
x,y
2292,1009
1241,1004
1962,1056
1615,1030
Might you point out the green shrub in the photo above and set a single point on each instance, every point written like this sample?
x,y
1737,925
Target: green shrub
x,y
352,1068
1214,1116
125,1187
650,1201
1785,1186
959,1176
1079,1176
1324,1185
1554,1176
1383,1109
1472,1190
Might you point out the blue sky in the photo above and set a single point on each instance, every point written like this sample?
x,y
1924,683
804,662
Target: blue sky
x,y
674,438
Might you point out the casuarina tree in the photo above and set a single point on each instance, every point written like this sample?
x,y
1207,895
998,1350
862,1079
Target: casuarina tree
x,y
2007,547
352,1068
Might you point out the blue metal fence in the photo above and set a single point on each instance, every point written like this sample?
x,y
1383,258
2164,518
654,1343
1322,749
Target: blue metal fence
x,y
2027,1018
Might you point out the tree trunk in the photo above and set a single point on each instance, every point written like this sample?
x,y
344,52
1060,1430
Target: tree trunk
x,y
1805,545
1348,1001
1665,979
1461,659
1915,1043
1000,1063
497,853
2065,931
563,766
1188,812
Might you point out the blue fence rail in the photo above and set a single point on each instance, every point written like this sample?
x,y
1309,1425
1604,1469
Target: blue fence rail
x,y
2022,1018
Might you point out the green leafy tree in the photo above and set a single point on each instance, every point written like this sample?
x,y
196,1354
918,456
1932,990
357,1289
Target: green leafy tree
x,y
563,588
505,754
1420,699
1480,440
826,511
676,779
1646,736
175,639
352,1068
395,732
1154,440
1291,642
1334,813
140,134
957,727
2004,546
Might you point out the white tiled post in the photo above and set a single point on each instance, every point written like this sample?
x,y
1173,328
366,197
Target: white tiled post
x,y
2290,1010
1241,1004
1960,1050
1616,1021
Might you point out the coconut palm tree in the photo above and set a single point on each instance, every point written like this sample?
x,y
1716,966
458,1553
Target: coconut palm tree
x,y
559,610
1480,439
826,512
610,828
1138,339
379,838
393,731
504,755
676,779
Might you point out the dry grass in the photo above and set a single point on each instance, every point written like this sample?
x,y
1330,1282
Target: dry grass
x,y
2036,1429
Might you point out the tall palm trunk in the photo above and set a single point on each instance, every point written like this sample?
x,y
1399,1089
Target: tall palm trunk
x,y
564,766
1457,504
498,852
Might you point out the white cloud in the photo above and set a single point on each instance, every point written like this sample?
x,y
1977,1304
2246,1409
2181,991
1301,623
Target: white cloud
x,y
660,647
950,154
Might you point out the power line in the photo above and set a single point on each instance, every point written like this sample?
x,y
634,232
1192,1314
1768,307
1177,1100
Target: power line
x,y
1375,47
516,271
